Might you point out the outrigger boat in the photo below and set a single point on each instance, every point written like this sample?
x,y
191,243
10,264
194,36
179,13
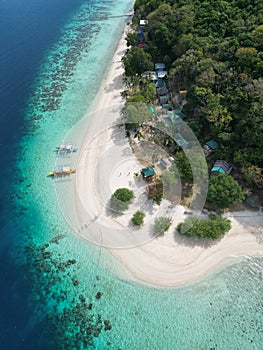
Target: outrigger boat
x,y
66,149
62,172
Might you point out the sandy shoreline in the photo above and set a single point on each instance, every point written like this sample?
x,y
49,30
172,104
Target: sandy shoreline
x,y
173,260
106,163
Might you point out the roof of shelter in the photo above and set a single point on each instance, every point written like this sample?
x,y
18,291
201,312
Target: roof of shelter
x,y
149,171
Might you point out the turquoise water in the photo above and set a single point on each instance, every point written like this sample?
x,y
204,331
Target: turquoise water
x,y
223,311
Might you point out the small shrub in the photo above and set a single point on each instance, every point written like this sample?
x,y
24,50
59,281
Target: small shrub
x,y
161,225
121,199
138,218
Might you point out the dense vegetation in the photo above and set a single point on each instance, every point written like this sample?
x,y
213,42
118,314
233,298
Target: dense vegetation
x,y
224,190
121,199
213,228
156,191
214,50
169,180
138,218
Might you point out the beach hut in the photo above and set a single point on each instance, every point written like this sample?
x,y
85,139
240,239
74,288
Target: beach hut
x,y
163,163
151,75
181,97
210,146
167,106
173,117
221,166
172,120
178,113
161,73
143,22
159,66
160,83
163,99
148,173
140,37
162,91
140,30
181,141
140,34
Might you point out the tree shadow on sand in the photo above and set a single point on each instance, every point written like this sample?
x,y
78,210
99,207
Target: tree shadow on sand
x,y
113,213
254,225
116,84
118,134
195,241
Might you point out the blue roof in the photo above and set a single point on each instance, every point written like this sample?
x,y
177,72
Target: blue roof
x,y
160,83
151,109
160,66
212,144
222,166
175,119
148,172
162,90
179,113
217,169
140,29
172,119
163,162
140,36
181,141
179,98
161,73
163,99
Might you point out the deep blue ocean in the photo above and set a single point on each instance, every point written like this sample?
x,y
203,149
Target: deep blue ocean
x,y
28,29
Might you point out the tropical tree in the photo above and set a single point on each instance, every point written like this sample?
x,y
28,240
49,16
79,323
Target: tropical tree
x,y
148,90
215,227
215,113
253,175
257,36
135,114
138,218
223,190
191,165
121,199
131,39
183,167
137,61
136,99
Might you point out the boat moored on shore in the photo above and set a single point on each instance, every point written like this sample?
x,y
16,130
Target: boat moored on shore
x,y
66,149
64,171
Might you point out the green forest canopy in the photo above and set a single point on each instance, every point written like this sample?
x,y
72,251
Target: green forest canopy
x,y
214,50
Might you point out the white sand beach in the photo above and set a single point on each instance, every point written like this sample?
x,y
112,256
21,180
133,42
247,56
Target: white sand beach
x,y
173,260
106,163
